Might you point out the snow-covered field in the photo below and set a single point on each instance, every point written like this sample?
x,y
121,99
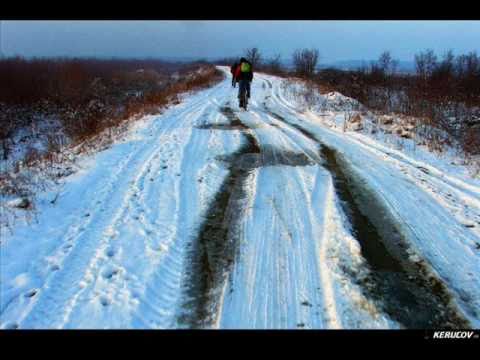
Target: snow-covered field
x,y
115,248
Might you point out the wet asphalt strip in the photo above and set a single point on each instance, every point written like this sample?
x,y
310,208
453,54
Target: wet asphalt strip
x,y
405,290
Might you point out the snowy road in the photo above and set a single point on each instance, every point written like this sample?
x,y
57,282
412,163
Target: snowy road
x,y
210,216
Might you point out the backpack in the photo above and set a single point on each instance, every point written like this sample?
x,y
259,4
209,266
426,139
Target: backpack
x,y
245,67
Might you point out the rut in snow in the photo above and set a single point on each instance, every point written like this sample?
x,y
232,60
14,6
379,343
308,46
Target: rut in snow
x,y
214,250
405,289
233,122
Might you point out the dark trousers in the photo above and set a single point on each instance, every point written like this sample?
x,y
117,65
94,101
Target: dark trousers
x,y
233,81
244,85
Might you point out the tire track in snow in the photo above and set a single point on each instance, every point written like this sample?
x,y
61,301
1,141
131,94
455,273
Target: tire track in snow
x,y
454,238
48,311
127,215
157,309
68,248
408,285
464,206
287,291
331,317
213,251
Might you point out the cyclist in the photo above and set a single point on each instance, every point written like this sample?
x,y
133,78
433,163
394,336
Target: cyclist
x,y
244,75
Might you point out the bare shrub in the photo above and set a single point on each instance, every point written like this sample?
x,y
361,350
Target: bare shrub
x,y
443,93
471,141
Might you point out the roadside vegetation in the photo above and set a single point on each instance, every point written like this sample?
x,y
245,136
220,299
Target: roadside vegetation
x,y
53,109
443,94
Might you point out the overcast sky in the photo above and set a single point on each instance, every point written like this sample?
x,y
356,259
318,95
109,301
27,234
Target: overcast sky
x,y
336,40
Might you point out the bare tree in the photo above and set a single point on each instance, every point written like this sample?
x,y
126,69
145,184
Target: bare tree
x,y
305,62
387,64
275,64
425,63
254,56
446,67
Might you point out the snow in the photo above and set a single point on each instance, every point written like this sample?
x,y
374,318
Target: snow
x,y
119,260
446,194
112,250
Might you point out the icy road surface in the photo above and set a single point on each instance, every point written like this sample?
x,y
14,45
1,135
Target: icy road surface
x,y
209,216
